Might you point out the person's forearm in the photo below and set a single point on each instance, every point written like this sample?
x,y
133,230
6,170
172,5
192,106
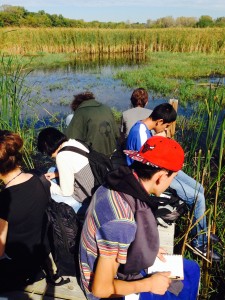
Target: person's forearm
x,y
122,288
157,284
131,287
108,287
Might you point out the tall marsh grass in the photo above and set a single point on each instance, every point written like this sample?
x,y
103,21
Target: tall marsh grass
x,y
14,97
77,40
205,150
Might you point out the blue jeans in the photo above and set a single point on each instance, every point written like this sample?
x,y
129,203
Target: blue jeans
x,y
68,200
192,192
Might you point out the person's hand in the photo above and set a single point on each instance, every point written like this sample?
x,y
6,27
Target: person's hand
x,y
160,254
162,133
159,283
50,175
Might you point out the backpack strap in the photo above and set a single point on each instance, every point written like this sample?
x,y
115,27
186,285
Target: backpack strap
x,y
74,149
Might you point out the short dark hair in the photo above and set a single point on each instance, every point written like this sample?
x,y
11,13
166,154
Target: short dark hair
x,y
164,111
49,140
145,172
79,98
139,97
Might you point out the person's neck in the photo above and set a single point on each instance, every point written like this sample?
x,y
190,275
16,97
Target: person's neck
x,y
11,177
146,184
57,150
149,123
61,146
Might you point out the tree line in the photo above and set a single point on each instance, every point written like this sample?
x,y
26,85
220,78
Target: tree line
x,y
18,16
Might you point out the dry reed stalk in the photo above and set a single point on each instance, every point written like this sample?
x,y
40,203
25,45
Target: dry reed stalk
x,y
80,40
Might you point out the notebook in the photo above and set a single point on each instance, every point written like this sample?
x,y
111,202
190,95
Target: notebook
x,y
173,263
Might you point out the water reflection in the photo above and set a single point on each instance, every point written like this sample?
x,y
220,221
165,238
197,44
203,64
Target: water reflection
x,y
53,89
91,62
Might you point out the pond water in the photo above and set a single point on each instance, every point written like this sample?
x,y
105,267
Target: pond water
x,y
53,89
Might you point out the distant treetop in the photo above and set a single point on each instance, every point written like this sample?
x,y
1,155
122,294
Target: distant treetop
x,y
14,16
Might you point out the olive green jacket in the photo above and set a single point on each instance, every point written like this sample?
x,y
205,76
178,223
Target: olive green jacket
x,y
94,123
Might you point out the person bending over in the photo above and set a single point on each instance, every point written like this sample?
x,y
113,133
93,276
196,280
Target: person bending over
x,y
117,246
94,123
75,178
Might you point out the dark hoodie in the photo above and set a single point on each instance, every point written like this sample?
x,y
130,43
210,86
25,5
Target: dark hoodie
x,y
144,249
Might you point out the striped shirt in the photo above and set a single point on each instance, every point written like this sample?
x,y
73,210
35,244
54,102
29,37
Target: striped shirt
x,y
108,230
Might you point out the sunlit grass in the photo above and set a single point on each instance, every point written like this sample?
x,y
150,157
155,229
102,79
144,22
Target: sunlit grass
x,y
37,41
14,98
175,75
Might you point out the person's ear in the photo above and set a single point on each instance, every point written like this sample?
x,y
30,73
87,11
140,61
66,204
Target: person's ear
x,y
159,122
160,176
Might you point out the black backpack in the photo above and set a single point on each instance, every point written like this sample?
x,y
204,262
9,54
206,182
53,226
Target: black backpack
x,y
100,163
64,230
170,208
63,233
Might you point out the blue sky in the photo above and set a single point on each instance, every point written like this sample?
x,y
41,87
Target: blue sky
x,y
124,10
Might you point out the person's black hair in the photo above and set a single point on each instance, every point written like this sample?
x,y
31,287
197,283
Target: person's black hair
x,y
164,111
146,172
49,140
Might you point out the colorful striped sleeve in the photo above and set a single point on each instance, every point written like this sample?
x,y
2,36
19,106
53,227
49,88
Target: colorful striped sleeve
x,y
115,237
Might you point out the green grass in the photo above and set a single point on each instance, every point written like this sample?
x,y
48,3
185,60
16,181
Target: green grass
x,y
15,96
175,74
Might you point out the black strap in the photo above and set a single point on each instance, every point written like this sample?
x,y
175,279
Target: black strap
x,y
74,149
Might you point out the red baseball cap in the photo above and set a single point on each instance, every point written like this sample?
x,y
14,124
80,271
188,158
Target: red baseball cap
x,y
160,152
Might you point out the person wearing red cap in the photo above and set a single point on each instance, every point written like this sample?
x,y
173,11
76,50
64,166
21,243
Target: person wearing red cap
x,y
187,188
120,239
